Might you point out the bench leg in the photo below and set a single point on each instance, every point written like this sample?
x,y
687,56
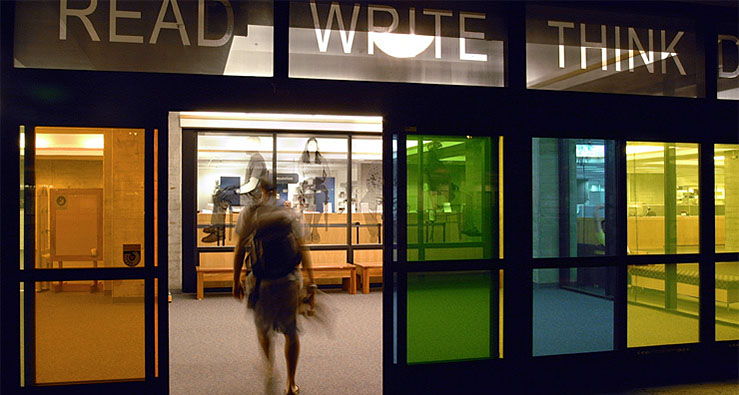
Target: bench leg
x,y
353,282
200,286
365,282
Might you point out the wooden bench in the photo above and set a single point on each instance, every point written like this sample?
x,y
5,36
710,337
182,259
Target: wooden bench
x,y
222,274
346,272
366,271
217,267
727,282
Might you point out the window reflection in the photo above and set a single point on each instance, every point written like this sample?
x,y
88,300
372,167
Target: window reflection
x,y
569,191
663,197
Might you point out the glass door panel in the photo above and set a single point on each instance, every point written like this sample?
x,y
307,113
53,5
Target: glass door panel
x,y
99,334
450,198
89,197
86,319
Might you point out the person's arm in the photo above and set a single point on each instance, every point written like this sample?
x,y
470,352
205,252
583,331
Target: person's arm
x,y
239,254
249,186
308,266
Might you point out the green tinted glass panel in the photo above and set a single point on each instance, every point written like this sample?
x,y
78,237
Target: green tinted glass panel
x,y
727,300
662,304
726,165
449,316
663,197
451,196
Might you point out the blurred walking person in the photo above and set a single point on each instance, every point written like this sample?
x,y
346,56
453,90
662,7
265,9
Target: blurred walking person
x,y
269,240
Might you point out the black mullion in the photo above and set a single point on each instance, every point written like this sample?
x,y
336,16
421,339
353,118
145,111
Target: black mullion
x,y
494,313
149,269
563,158
29,319
449,266
620,220
29,252
387,256
189,209
149,330
726,256
518,249
162,283
350,208
82,274
401,183
274,159
590,261
707,243
660,259
367,246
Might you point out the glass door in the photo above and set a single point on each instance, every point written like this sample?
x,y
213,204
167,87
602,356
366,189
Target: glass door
x,y
445,256
90,272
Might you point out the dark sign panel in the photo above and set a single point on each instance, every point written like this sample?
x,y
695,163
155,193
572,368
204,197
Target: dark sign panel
x,y
728,65
596,51
454,43
223,37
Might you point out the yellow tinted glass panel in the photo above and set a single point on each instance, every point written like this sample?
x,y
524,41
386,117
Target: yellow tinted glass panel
x,y
89,197
726,162
727,301
90,331
663,197
662,304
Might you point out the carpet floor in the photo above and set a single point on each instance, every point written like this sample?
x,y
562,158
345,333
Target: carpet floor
x,y
214,348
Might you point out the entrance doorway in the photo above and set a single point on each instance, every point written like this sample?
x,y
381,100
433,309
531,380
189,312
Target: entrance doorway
x,y
328,169
89,296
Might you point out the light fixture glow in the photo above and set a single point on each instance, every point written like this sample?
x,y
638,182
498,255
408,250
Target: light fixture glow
x,y
400,45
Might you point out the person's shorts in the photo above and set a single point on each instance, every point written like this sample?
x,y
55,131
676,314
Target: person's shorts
x,y
277,306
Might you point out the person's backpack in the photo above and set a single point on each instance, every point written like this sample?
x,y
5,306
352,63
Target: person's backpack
x,y
274,247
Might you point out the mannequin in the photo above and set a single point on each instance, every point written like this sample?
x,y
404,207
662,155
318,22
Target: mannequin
x,y
314,171
256,169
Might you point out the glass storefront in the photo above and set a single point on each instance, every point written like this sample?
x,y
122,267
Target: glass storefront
x,y
663,197
334,191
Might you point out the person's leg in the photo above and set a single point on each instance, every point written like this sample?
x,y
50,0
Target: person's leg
x,y
265,344
292,352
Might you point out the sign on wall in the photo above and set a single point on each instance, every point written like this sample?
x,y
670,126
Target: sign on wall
x,y
597,51
436,43
223,37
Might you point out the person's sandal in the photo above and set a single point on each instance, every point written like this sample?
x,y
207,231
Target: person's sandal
x,y
296,392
